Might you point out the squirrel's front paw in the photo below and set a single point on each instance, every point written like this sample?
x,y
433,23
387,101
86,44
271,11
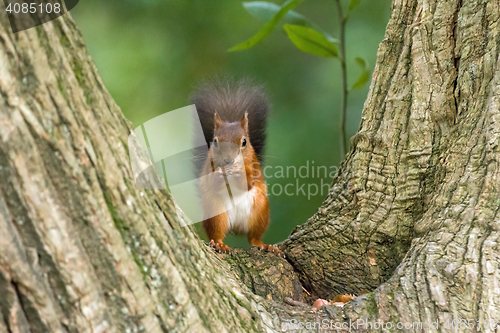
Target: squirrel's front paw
x,y
218,181
271,248
220,247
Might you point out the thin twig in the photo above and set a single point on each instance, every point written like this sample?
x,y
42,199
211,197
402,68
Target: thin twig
x,y
293,302
344,146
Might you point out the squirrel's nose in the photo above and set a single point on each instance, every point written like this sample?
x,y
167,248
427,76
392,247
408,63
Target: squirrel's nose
x,y
228,162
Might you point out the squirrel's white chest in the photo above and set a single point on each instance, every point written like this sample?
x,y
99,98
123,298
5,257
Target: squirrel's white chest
x,y
238,216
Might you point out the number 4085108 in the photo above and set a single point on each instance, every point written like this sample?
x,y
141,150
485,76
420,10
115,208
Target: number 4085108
x,y
33,8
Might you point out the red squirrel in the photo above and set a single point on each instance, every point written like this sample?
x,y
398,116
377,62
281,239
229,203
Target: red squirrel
x,y
233,119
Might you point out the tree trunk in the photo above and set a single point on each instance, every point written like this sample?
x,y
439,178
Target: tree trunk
x,y
416,203
411,217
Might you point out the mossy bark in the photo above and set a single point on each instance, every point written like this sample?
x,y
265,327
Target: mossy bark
x,y
412,217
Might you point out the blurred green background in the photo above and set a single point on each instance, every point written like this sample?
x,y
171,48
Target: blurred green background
x,y
151,54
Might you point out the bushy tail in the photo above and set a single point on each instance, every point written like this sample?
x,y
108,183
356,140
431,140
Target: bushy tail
x,y
231,98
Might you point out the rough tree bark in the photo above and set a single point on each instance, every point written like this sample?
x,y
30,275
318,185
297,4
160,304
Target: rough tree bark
x,y
416,205
412,217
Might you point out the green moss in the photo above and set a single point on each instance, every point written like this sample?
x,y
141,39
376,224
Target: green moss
x,y
204,318
118,222
78,71
125,147
61,89
371,304
88,96
254,328
64,40
248,308
140,265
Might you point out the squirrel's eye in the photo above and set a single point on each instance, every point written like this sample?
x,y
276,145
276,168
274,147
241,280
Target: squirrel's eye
x,y
244,143
215,142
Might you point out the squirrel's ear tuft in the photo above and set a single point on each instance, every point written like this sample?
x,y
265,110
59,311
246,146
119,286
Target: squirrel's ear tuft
x,y
244,122
217,120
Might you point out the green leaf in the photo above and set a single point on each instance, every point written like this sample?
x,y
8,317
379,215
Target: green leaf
x,y
310,41
353,4
361,62
265,11
267,28
365,75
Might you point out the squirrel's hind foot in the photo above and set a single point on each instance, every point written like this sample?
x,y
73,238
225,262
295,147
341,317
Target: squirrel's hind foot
x,y
271,248
219,246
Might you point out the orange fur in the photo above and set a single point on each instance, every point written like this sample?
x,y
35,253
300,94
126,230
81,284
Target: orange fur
x,y
259,215
216,226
